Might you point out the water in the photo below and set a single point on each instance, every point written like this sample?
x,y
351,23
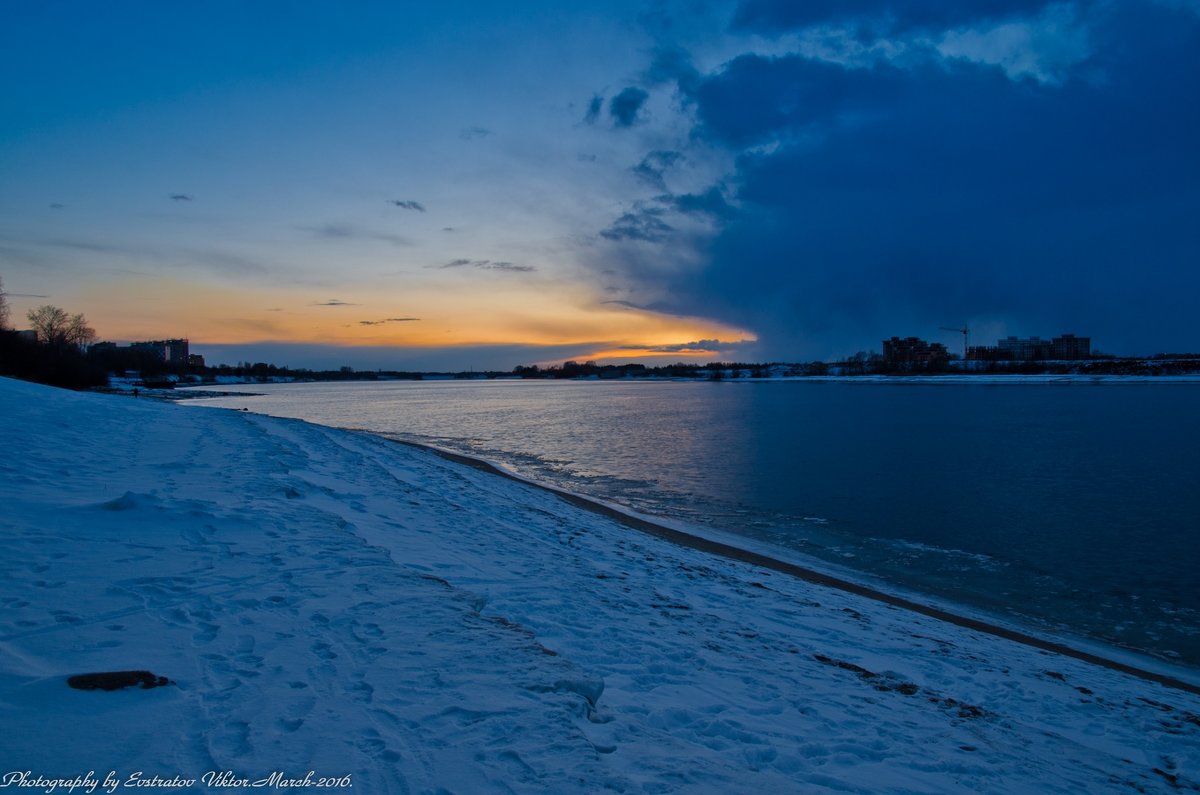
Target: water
x,y
1066,506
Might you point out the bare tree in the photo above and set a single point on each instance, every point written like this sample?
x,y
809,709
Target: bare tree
x,y
79,332
55,327
49,323
3,307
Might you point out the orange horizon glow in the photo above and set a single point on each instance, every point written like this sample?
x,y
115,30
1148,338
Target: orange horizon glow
x,y
423,317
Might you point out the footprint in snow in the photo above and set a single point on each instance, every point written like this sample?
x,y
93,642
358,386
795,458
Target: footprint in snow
x,y
324,651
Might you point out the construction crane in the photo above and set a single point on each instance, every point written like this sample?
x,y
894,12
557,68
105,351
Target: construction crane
x,y
966,332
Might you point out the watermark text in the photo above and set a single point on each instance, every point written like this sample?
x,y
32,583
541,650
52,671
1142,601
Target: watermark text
x,y
220,780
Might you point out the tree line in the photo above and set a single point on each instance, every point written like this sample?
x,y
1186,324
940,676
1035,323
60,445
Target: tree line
x,y
713,371
56,352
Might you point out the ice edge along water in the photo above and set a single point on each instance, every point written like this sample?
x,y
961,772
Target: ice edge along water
x,y
335,601
820,572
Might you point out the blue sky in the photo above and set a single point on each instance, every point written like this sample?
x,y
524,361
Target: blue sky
x,y
485,185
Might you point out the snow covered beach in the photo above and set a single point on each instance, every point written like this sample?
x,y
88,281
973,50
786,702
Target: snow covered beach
x,y
333,602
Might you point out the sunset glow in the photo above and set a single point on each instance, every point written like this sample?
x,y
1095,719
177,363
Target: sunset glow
x,y
514,183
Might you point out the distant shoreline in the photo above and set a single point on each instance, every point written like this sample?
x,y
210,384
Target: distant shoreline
x,y
811,575
209,389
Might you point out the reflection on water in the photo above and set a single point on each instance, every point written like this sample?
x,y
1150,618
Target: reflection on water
x,y
1071,504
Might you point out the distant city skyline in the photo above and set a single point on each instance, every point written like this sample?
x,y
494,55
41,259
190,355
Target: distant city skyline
x,y
480,186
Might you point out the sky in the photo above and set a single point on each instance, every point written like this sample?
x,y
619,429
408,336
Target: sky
x,y
484,185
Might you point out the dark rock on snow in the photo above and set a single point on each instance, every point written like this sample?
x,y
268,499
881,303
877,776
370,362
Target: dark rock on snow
x,y
115,680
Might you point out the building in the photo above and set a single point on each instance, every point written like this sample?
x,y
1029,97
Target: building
x,y
1066,347
912,350
173,355
172,352
1028,350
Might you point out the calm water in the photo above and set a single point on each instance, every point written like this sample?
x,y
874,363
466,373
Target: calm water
x,y
1070,505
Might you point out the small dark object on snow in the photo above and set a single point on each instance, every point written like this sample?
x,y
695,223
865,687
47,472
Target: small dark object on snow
x,y
115,680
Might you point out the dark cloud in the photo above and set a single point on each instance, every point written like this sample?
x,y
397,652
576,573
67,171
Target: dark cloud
x,y
699,346
643,223
408,204
331,231
778,16
180,197
625,107
593,110
649,221
333,302
486,265
471,133
57,206
757,99
654,165
387,320
711,202
672,65
337,231
883,200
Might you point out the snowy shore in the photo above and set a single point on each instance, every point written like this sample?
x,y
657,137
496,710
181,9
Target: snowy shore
x,y
334,602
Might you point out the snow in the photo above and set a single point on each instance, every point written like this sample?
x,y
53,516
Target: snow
x,y
334,602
